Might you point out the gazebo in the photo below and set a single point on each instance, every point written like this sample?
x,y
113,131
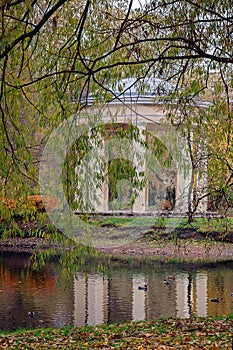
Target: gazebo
x,y
141,105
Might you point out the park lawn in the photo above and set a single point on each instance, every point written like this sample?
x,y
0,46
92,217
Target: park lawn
x,y
220,227
203,223
193,333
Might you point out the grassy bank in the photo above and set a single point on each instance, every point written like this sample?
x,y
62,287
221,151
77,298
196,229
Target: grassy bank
x,y
160,239
217,228
194,333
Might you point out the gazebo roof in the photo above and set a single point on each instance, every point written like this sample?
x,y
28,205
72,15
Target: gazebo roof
x,y
145,90
140,91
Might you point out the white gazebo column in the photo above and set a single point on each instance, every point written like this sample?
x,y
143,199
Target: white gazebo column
x,y
183,177
139,152
140,202
202,177
102,192
182,191
92,191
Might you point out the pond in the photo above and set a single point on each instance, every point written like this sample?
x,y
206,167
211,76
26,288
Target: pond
x,y
42,298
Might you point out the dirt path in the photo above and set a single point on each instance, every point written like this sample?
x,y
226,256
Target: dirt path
x,y
184,250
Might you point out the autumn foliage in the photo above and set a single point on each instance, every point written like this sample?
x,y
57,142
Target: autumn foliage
x,y
37,201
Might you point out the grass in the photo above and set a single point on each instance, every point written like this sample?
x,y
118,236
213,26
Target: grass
x,y
133,221
206,226
199,222
193,333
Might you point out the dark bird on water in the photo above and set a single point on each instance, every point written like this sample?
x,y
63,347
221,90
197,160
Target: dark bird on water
x,y
165,282
215,300
143,287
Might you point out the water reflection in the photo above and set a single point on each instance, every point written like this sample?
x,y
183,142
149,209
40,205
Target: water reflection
x,y
118,299
139,298
98,298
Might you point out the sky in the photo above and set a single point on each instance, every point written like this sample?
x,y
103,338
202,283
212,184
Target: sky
x,y
138,3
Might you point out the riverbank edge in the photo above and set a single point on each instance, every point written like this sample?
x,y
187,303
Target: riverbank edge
x,y
169,333
183,251
205,240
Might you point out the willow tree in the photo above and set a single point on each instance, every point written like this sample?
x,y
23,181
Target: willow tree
x,y
54,53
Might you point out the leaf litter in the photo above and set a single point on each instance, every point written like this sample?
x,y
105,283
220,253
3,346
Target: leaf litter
x,y
193,333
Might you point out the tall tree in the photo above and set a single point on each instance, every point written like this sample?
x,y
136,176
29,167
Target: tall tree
x,y
53,53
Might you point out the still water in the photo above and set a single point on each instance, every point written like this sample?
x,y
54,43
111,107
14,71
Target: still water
x,y
95,298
